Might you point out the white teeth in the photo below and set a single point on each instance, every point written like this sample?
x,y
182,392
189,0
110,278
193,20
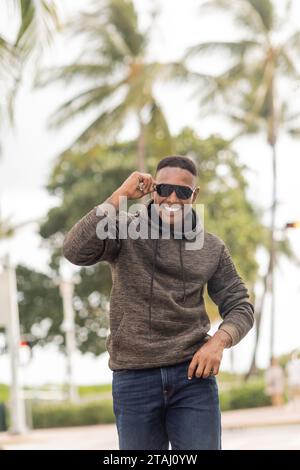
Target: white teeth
x,y
172,208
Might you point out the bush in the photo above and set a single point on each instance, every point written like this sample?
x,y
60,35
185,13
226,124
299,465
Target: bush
x,y
248,395
242,395
4,393
64,414
93,390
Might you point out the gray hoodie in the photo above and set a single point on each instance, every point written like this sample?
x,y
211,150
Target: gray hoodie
x,y
157,310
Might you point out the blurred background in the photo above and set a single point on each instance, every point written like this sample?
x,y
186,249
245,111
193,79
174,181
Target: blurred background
x,y
93,90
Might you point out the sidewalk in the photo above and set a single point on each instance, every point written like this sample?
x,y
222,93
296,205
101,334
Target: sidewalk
x,y
96,437
263,416
241,429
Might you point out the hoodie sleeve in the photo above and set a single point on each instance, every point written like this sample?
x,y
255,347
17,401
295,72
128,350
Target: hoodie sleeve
x,y
83,244
227,289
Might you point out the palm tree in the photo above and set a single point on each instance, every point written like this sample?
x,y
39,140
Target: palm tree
x,y
119,78
8,70
38,20
248,91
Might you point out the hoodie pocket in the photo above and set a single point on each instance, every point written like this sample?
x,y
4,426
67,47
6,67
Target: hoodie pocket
x,y
166,330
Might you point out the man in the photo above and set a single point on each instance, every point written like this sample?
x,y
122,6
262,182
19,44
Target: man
x,y
293,379
164,362
274,381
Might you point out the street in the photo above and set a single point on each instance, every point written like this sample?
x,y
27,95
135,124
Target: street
x,y
104,437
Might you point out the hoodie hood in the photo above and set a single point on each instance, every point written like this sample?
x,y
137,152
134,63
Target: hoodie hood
x,y
188,230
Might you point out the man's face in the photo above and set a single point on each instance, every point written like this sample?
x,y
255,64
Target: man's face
x,y
171,207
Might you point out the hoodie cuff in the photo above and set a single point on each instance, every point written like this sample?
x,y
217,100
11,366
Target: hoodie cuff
x,y
232,330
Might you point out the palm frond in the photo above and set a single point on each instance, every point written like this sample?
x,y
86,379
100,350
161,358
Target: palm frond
x,y
123,17
39,21
247,13
105,126
70,73
289,65
220,84
293,41
176,71
233,47
83,102
294,132
158,122
292,117
103,39
265,10
9,80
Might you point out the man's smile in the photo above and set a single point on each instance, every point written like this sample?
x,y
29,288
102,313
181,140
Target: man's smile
x,y
173,208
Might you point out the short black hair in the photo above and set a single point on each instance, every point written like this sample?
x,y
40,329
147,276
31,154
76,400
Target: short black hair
x,y
178,161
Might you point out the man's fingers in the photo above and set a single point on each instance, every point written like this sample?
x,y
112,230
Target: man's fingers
x,y
207,370
200,369
193,365
148,185
153,183
145,183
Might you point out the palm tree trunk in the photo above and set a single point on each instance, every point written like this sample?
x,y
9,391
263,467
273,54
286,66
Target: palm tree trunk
x,y
272,139
269,281
273,248
258,319
141,153
141,146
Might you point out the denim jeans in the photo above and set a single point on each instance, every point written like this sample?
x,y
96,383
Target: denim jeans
x,y
159,408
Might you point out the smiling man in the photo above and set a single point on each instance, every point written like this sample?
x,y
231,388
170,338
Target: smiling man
x,y
164,362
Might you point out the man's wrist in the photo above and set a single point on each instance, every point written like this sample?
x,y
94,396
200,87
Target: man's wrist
x,y
222,338
114,199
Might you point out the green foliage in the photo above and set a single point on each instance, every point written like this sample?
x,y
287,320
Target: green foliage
x,y
248,395
40,318
247,91
60,415
4,393
93,390
114,63
37,22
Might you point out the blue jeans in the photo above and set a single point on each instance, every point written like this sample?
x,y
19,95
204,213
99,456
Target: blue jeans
x,y
159,406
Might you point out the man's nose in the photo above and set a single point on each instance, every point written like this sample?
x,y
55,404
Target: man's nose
x,y
173,199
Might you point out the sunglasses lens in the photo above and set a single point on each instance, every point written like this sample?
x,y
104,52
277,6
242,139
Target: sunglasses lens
x,y
164,190
183,192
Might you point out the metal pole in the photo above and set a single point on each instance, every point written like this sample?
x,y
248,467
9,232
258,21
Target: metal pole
x,y
66,290
10,304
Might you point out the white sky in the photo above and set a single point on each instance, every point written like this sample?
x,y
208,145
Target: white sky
x,y
30,151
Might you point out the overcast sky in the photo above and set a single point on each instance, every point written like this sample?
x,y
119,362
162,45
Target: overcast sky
x,y
30,151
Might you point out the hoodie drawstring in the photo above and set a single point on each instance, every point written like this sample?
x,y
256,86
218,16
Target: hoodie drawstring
x,y
152,279
182,269
151,286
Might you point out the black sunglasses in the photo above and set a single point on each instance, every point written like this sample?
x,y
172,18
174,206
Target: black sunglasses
x,y
165,190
